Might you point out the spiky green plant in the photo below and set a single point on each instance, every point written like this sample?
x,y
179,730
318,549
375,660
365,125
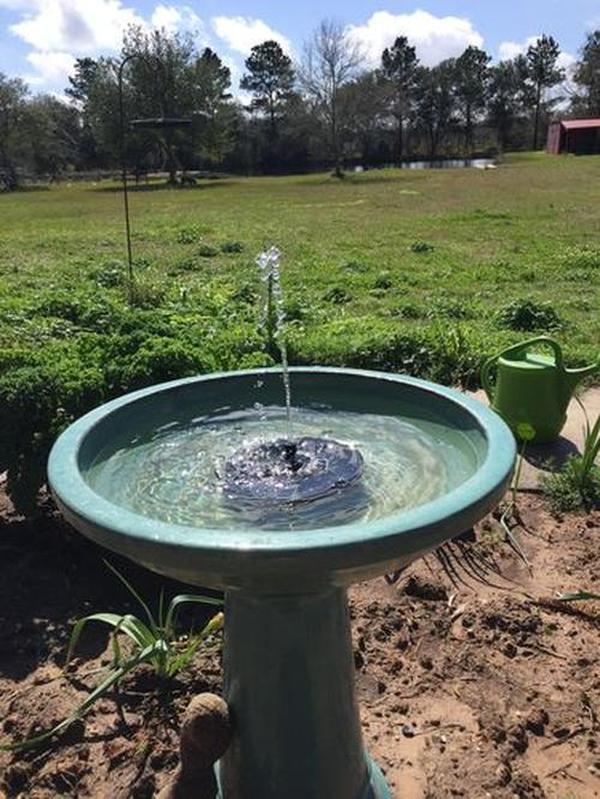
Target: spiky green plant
x,y
577,484
155,642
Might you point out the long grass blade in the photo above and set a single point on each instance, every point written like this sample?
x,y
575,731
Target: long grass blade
x,y
98,692
134,593
184,599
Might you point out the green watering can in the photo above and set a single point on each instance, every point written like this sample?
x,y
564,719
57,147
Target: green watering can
x,y
532,389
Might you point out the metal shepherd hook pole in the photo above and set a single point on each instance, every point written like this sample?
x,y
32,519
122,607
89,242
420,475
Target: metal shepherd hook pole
x,y
122,65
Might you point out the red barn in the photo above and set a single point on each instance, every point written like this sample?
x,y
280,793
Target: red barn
x,y
579,136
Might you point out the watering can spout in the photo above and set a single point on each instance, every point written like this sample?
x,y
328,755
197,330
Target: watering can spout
x,y
575,376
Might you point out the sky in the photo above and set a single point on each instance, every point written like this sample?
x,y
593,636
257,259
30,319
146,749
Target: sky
x,y
40,39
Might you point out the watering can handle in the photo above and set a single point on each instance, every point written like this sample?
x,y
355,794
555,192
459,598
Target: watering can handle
x,y
487,367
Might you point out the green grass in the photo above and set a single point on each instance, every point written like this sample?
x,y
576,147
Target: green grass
x,y
529,229
422,272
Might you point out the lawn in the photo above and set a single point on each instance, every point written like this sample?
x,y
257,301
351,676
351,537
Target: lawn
x,y
403,270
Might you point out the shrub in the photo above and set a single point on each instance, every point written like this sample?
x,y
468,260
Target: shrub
x,y
189,234
421,246
232,247
355,266
110,275
528,315
410,310
449,309
36,403
162,359
383,281
207,251
186,265
146,295
337,295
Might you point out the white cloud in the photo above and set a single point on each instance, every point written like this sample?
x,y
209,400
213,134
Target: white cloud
x,y
70,25
243,33
167,17
52,67
508,50
176,18
61,30
435,38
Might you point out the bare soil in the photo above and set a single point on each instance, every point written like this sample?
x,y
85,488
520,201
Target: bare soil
x,y
473,681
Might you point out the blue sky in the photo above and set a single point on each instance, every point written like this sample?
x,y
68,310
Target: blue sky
x,y
39,39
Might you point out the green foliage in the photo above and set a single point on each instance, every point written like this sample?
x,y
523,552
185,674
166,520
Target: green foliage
x,y
577,484
383,281
232,247
207,251
421,246
153,641
145,294
189,234
528,315
337,295
110,275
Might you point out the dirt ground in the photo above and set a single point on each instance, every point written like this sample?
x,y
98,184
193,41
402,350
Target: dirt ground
x,y
473,682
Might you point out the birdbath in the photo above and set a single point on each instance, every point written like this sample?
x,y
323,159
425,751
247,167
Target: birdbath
x,y
382,468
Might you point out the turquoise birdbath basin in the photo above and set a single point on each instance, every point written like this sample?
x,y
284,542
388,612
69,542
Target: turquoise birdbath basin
x,y
208,480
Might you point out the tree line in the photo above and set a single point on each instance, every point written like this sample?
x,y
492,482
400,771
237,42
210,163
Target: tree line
x,y
327,110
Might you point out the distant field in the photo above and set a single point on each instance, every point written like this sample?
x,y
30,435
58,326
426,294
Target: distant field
x,y
529,229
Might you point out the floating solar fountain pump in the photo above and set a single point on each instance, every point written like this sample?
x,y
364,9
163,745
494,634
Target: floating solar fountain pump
x,y
194,480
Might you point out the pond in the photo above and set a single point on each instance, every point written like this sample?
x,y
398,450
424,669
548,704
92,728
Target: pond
x,y
452,163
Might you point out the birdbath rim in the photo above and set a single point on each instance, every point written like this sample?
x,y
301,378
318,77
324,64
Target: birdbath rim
x,y
461,505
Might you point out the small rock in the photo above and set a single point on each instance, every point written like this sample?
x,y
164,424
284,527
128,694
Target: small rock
x,y
408,731
510,650
536,720
426,662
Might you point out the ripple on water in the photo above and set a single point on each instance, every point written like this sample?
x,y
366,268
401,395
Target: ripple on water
x,y
174,475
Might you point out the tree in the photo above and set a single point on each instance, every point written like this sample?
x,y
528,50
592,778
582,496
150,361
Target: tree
x,y
270,78
82,81
587,77
13,94
210,82
49,135
471,74
365,102
399,71
331,60
543,73
436,102
504,99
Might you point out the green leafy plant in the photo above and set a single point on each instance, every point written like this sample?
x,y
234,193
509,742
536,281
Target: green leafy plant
x,y
421,246
528,315
189,234
383,281
144,294
577,484
232,247
337,295
154,642
207,251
